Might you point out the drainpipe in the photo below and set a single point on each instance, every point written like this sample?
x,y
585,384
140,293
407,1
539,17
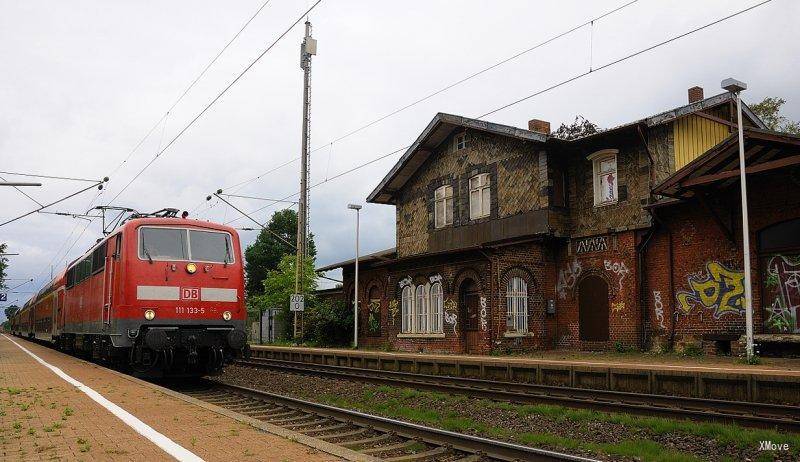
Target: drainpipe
x,y
641,252
674,313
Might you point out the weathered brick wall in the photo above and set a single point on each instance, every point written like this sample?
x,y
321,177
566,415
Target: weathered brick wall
x,y
516,184
704,259
633,190
660,141
617,266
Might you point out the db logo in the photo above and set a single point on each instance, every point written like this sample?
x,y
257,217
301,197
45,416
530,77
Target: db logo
x,y
190,293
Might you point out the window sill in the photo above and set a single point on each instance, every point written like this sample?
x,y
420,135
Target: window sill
x,y
413,335
517,334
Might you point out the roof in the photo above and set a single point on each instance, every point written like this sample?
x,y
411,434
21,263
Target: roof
x,y
432,136
764,150
382,255
443,125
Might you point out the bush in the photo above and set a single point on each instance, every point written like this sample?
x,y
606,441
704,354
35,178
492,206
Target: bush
x,y
328,324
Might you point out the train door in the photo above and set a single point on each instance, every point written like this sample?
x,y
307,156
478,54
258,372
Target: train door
x,y
58,312
109,277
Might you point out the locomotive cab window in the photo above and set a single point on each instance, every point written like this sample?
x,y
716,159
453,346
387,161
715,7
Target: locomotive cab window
x,y
185,244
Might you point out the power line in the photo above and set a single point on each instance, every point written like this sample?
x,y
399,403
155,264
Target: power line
x,y
52,177
208,106
190,86
544,90
50,204
450,86
23,193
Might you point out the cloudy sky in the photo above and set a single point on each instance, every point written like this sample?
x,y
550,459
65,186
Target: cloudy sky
x,y
82,82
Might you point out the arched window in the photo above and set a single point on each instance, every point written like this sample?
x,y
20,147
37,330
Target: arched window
x,y
407,309
435,321
517,305
421,308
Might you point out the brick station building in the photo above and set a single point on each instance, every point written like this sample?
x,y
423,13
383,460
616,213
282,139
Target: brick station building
x,y
511,239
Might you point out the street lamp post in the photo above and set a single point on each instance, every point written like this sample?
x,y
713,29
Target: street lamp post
x,y
736,87
357,208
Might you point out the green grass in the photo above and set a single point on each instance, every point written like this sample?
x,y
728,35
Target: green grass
x,y
409,404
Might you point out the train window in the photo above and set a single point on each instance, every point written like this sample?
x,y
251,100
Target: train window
x,y
210,246
70,277
163,244
99,258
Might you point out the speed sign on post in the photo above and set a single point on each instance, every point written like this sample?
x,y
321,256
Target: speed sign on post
x,y
296,302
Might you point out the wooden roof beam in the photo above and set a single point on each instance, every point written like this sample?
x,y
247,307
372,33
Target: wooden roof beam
x,y
762,167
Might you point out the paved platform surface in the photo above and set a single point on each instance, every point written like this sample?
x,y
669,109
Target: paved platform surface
x,y
723,364
43,417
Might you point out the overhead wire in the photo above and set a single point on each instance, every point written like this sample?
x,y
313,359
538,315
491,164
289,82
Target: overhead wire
x,y
544,90
450,86
212,102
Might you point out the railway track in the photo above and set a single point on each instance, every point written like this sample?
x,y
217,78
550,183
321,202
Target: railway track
x,y
374,438
743,413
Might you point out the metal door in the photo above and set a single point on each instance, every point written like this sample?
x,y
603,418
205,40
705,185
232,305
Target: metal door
x,y
111,257
593,309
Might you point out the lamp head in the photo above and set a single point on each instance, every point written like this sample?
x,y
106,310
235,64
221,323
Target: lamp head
x,y
733,85
354,206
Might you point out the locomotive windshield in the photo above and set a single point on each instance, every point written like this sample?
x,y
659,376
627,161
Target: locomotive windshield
x,y
156,243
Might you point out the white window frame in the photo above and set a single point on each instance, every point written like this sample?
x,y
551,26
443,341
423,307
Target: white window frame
x,y
517,305
442,215
435,308
421,311
407,309
460,141
597,159
482,185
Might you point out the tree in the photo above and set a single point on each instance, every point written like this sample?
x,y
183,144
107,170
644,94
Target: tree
x,y
266,252
769,111
278,286
580,127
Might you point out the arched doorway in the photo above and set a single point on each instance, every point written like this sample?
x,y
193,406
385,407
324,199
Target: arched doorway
x,y
469,301
779,252
593,309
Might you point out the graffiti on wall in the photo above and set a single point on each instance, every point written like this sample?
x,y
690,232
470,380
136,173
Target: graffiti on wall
x,y
618,268
393,311
718,288
484,321
567,278
659,308
436,278
374,317
451,314
616,307
406,281
782,286
591,244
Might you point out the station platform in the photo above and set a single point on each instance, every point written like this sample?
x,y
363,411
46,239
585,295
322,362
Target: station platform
x,y
57,407
716,378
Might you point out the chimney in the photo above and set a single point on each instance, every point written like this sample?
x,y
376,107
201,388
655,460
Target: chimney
x,y
539,126
695,94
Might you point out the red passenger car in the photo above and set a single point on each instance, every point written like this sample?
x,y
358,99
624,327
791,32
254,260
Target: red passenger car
x,y
162,295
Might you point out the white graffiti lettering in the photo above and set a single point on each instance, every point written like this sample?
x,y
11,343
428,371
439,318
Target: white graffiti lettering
x,y
591,244
617,268
567,278
436,278
484,321
659,307
451,317
406,281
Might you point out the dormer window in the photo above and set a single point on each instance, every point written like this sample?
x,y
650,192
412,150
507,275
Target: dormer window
x,y
604,167
479,196
461,141
443,206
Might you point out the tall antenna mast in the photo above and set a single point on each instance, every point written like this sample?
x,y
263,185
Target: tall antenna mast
x,y
307,49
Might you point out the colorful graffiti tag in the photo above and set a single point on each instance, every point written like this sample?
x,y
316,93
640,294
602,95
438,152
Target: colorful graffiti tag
x,y
720,288
567,278
450,314
394,310
374,317
782,287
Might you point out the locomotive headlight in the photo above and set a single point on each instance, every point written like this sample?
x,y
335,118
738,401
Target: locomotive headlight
x,y
191,268
226,315
149,315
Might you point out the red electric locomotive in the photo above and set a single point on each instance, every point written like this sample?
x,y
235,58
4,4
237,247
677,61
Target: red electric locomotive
x,y
160,294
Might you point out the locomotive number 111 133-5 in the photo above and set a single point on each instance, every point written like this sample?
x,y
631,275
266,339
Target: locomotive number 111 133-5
x,y
189,310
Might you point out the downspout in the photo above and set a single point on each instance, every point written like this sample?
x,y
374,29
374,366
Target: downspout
x,y
674,313
641,252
